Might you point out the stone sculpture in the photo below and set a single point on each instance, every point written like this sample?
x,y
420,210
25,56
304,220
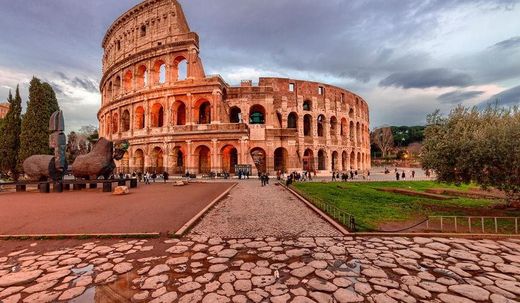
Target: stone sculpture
x,y
100,161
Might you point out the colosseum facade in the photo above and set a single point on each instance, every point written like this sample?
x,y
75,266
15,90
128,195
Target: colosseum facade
x,y
156,95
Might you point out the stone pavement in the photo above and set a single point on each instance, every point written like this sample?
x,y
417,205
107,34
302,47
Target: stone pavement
x,y
252,211
311,269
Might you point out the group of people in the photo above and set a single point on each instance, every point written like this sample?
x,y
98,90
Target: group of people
x,y
264,179
352,174
146,177
402,175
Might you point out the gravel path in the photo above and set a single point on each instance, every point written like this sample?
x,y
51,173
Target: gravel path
x,y
254,211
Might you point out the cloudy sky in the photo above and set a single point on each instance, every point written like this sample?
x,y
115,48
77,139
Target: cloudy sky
x,y
406,57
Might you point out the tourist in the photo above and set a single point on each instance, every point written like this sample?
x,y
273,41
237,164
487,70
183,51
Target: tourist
x,y
333,177
368,174
403,176
140,176
266,179
351,175
413,174
397,176
146,178
154,176
165,176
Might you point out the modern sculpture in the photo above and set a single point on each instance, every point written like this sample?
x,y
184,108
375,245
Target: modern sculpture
x,y
100,161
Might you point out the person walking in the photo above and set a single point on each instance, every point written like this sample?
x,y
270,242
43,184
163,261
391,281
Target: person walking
x,y
403,176
413,174
333,177
397,176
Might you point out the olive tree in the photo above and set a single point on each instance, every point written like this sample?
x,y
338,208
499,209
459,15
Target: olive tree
x,y
474,145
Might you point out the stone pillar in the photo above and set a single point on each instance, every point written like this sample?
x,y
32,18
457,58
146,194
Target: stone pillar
x,y
214,155
215,108
189,156
189,110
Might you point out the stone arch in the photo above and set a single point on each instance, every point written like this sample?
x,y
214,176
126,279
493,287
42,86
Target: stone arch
x,y
344,161
110,90
359,161
117,86
203,111
177,160
320,124
179,113
257,114
292,120
180,68
125,120
235,115
351,130
322,160
141,77
115,123
139,117
280,159
358,132
352,160
139,160
108,122
159,72
307,105
279,118
229,156
344,127
127,81
308,160
157,160
259,159
307,125
335,161
203,159
351,113
333,126
157,118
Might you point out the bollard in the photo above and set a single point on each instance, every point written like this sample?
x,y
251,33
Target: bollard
x,y
121,182
44,187
76,186
20,188
83,185
66,186
133,183
57,187
93,185
107,187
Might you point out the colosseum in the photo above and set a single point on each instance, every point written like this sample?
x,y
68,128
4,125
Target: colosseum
x,y
156,95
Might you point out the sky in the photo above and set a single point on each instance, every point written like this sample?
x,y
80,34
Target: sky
x,y
407,58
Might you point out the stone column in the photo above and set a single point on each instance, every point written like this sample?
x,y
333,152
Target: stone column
x,y
215,109
214,155
189,110
189,156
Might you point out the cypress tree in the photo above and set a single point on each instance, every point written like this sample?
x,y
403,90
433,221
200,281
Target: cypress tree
x,y
34,137
10,139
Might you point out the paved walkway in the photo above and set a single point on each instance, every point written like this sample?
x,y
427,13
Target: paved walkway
x,y
252,211
211,270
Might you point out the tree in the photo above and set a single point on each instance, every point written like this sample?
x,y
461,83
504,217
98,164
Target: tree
x,y
35,123
90,133
382,137
472,145
10,136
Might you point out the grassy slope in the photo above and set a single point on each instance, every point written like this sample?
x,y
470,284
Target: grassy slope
x,y
371,207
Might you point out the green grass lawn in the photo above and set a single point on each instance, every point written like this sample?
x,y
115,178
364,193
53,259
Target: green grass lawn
x,y
372,208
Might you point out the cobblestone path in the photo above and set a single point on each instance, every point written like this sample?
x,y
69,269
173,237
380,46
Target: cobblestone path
x,y
251,211
212,270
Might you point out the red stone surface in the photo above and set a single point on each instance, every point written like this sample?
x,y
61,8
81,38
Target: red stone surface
x,y
149,208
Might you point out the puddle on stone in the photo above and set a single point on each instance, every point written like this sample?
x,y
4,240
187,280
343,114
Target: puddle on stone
x,y
83,270
119,291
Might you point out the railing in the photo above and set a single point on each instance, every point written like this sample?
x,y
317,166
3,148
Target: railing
x,y
473,224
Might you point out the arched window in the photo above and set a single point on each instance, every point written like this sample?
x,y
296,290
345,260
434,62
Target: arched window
x,y
307,125
358,132
292,120
307,105
321,160
203,110
321,121
139,117
352,130
139,160
235,115
143,30
125,121
179,113
110,91
157,160
115,123
344,161
181,66
159,72
157,115
351,113
127,81
308,160
344,127
257,114
117,86
141,77
333,126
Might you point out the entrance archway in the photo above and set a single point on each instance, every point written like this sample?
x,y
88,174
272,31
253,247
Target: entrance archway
x,y
352,160
157,162
334,163
203,157
321,160
157,115
308,160
179,113
280,159
307,125
229,158
177,161
203,111
260,159
344,161
235,115
139,117
292,120
139,160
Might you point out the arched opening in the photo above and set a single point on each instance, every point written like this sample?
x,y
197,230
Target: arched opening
x,y
127,81
321,159
157,115
139,117
117,86
280,159
292,120
344,161
333,126
344,126
141,77
307,125
320,121
351,130
157,164
181,65
125,163
257,114
177,161
115,123
307,105
203,159
139,160
110,90
125,121
352,160
334,163
358,132
179,113
235,115
229,158
279,118
203,112
308,160
260,159
351,113
359,161
108,122
159,72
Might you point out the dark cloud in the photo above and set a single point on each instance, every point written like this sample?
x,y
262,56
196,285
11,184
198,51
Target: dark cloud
x,y
509,97
513,42
86,84
435,77
458,96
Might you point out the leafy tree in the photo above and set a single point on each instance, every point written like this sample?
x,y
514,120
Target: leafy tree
x,y
472,145
34,137
405,135
10,136
90,133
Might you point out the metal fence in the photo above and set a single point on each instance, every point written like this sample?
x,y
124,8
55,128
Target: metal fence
x,y
473,224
